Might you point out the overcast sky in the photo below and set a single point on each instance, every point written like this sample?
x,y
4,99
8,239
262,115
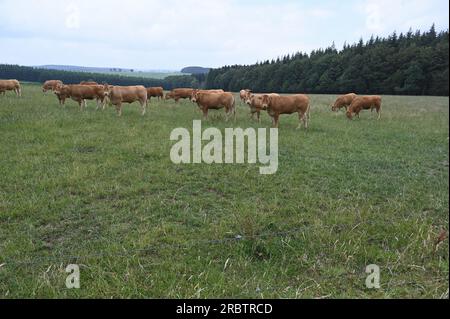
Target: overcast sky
x,y
171,34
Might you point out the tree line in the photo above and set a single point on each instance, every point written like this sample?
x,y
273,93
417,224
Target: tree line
x,y
414,63
31,74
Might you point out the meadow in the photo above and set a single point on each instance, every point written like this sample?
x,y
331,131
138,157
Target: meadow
x,y
101,191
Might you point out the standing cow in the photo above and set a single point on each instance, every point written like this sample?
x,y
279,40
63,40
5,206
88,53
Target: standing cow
x,y
157,92
81,93
343,101
365,103
277,105
11,85
255,101
127,94
215,101
178,94
194,93
88,83
51,85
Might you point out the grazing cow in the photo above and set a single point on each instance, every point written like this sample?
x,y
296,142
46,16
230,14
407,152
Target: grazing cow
x,y
215,101
255,103
51,85
243,94
277,105
88,83
10,85
177,94
343,101
81,93
360,103
155,92
127,94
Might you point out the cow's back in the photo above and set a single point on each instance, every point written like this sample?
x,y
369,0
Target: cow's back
x,y
128,93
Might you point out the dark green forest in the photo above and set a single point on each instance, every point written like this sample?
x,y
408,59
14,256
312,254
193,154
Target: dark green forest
x,y
414,63
30,74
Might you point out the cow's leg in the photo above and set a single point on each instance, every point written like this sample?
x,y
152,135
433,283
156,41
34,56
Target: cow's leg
x,y
258,114
205,113
305,120
379,112
119,109
107,100
276,119
98,104
301,118
143,106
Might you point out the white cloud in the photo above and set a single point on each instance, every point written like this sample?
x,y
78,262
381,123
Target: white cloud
x,y
385,16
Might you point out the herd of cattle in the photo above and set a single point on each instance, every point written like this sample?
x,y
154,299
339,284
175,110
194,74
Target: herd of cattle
x,y
273,103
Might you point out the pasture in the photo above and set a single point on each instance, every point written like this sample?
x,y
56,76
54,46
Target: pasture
x,y
100,191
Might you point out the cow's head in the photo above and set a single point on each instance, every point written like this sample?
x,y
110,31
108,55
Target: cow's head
x,y
349,114
334,108
107,89
194,96
248,98
266,101
60,89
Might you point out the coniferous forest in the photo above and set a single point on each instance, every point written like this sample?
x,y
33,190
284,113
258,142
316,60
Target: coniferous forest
x,y
414,63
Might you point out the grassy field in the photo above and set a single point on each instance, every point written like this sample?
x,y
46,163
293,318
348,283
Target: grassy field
x,y
150,75
100,191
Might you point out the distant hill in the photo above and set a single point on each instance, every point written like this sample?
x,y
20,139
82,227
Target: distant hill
x,y
195,70
74,68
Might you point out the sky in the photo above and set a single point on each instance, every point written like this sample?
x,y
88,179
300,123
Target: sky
x,y
172,34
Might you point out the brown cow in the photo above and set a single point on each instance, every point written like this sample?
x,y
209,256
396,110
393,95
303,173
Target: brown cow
x,y
255,103
10,85
343,101
88,83
365,103
178,94
51,85
194,92
243,94
127,94
215,101
81,93
277,105
61,95
155,92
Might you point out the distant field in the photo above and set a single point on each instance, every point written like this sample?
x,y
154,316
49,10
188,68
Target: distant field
x,y
150,75
100,191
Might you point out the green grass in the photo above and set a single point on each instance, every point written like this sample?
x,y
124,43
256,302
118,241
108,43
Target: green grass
x,y
101,191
